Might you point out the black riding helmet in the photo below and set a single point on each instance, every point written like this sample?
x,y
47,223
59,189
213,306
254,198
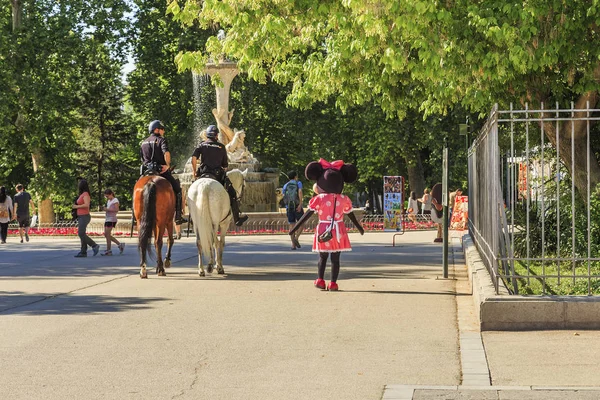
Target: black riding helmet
x,y
156,124
212,132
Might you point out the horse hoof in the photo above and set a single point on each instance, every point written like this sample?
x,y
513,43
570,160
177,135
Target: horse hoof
x,y
167,263
210,268
162,273
143,275
220,271
201,273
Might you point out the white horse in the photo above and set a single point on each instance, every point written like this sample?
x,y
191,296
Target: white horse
x,y
210,210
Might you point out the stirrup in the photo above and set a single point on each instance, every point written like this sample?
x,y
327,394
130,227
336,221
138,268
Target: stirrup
x,y
241,220
181,220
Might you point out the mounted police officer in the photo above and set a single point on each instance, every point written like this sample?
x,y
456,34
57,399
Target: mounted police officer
x,y
156,159
213,162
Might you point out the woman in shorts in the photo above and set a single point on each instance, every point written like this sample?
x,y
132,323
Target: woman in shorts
x,y
112,209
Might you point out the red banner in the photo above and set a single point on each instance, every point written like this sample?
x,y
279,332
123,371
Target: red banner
x,y
460,213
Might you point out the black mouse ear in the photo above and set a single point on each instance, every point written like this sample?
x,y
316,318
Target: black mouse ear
x,y
349,172
313,171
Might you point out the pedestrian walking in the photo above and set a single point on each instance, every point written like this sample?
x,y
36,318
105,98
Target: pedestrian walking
x,y
23,206
292,198
112,209
426,202
82,205
6,213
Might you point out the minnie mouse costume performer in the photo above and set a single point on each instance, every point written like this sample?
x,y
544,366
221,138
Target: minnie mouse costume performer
x,y
331,206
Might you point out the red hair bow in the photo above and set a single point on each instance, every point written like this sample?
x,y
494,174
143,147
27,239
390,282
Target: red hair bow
x,y
337,164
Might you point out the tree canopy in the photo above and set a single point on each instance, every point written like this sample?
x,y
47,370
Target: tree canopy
x,y
405,53
67,111
401,55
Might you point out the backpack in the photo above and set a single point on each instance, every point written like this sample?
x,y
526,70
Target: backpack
x,y
290,195
3,210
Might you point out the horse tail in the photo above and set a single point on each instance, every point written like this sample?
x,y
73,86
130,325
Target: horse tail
x,y
148,219
204,228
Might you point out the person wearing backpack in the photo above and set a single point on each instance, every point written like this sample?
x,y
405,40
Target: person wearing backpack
x,y
292,198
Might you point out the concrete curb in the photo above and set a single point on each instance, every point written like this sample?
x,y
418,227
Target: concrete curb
x,y
506,312
408,392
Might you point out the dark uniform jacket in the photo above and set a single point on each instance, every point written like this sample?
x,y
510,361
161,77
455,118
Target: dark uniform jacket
x,y
153,149
213,157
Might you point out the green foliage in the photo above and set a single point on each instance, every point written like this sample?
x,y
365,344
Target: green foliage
x,y
410,56
289,138
571,280
558,230
157,89
404,55
68,106
555,221
53,63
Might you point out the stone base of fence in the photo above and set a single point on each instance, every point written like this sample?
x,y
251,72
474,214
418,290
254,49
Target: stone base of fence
x,y
506,312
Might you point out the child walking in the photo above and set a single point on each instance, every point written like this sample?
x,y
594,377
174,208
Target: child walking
x,y
112,209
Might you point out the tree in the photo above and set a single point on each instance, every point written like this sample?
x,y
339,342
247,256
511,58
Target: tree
x,y
157,89
47,41
102,134
417,54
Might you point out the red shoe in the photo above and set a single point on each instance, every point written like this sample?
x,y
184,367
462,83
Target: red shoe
x,y
333,287
320,283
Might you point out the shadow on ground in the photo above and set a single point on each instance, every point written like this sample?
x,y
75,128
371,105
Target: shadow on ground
x,y
414,261
12,303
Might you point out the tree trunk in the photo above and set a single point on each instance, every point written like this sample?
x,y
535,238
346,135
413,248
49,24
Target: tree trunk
x,y
17,14
416,177
566,146
103,139
99,183
45,207
45,211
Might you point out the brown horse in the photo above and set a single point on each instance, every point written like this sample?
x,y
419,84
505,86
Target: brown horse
x,y
154,209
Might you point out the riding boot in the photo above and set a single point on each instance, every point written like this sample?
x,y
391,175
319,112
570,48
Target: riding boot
x,y
178,218
235,208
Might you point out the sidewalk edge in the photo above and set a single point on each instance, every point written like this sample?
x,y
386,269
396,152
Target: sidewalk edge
x,y
506,312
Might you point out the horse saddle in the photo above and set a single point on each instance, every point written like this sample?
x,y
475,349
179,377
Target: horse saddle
x,y
209,175
217,175
151,168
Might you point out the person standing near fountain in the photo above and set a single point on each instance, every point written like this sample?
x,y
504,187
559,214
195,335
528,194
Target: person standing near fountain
x,y
157,158
213,161
292,197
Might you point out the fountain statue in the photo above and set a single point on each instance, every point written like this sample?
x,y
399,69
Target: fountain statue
x,y
259,193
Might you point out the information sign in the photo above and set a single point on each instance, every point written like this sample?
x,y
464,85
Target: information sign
x,y
393,203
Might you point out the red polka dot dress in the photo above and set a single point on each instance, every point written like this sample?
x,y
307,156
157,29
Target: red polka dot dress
x,y
322,205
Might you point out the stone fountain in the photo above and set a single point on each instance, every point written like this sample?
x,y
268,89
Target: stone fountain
x,y
259,192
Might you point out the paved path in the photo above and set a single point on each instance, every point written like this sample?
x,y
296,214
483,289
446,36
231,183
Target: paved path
x,y
92,329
